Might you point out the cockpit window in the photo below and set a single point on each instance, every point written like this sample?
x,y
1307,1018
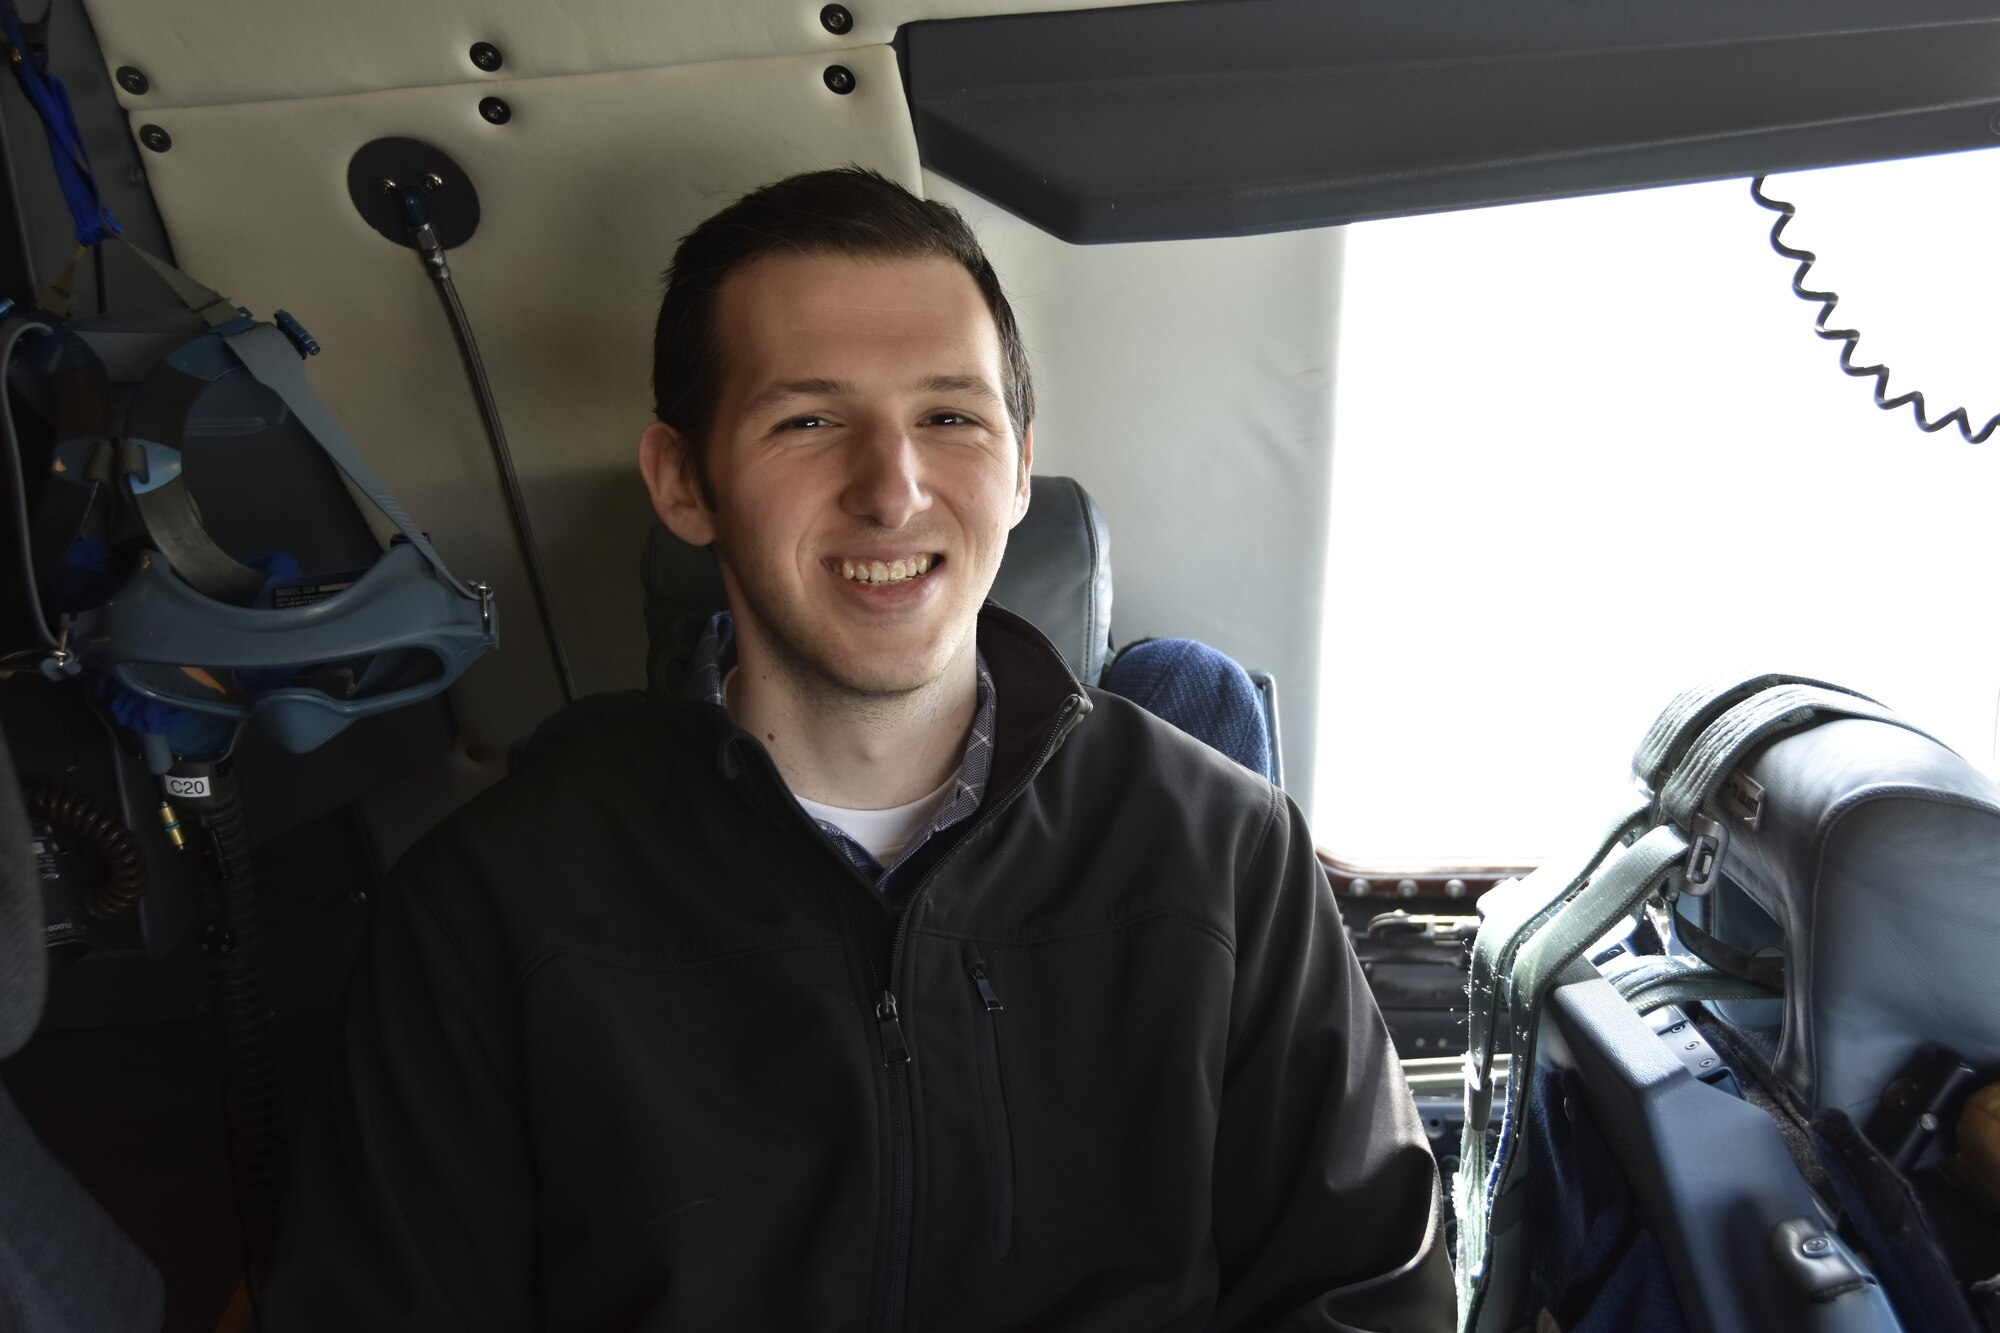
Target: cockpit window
x,y
1589,451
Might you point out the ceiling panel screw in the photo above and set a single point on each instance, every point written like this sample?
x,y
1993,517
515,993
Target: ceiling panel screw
x,y
433,182
840,78
133,80
487,56
496,111
836,20
155,138
386,187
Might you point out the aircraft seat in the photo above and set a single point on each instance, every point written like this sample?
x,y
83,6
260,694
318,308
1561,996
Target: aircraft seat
x,y
1056,573
65,1267
1201,690
1748,1143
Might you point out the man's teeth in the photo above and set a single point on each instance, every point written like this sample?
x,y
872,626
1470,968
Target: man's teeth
x,y
878,571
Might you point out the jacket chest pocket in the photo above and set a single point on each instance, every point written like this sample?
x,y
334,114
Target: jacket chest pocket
x,y
993,1097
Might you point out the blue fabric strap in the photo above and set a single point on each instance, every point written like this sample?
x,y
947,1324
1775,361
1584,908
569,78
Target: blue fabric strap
x,y
47,95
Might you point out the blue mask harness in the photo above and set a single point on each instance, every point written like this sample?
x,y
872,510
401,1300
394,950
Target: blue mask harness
x,y
192,641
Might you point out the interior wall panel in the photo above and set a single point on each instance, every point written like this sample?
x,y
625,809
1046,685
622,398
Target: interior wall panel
x,y
1189,386
583,195
222,51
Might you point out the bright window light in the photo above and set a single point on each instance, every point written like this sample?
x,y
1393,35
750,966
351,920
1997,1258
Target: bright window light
x,y
1589,452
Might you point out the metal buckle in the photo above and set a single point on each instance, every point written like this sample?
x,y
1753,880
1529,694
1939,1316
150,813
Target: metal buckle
x,y
1743,796
485,592
1710,843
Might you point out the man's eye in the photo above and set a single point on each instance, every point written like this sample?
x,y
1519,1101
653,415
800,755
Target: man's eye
x,y
949,419
802,423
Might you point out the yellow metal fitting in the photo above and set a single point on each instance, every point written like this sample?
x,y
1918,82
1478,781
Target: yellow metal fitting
x,y
170,822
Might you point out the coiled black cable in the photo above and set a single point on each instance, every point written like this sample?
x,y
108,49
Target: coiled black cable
x,y
1849,338
253,1097
124,860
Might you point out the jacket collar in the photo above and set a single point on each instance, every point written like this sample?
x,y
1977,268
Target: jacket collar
x,y
1038,699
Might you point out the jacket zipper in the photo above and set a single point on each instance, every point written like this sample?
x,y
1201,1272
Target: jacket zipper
x,y
993,1093
896,1054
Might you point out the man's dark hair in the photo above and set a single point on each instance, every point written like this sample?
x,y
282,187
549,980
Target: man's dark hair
x,y
849,211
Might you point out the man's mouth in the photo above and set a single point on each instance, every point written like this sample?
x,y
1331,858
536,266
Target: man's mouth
x,y
880,573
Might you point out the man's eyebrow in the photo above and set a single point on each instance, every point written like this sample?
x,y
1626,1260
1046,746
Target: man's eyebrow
x,y
785,389
969,384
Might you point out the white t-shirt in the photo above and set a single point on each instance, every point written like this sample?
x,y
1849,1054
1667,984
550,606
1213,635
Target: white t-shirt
x,y
883,832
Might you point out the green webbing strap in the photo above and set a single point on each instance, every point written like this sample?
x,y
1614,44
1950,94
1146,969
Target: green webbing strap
x,y
1690,713
1511,912
1615,893
1775,712
1658,980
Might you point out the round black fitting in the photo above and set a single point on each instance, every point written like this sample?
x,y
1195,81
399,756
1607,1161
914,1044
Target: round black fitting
x,y
840,79
133,80
836,20
155,138
496,111
486,56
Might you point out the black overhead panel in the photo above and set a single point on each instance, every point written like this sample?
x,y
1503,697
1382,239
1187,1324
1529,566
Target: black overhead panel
x,y
1230,117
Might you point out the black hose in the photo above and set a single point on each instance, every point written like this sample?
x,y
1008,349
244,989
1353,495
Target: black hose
x,y
1849,338
431,250
253,1097
124,860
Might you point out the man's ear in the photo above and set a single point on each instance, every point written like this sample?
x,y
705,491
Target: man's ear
x,y
1021,487
677,498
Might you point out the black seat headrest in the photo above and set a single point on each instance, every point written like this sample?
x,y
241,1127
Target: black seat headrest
x,y
1056,574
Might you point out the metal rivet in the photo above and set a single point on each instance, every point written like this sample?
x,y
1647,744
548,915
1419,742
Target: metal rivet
x,y
840,78
155,138
1454,888
386,187
433,182
487,56
496,111
1406,888
133,80
1928,1122
1706,1063
1358,887
835,19
1817,1245
1694,1046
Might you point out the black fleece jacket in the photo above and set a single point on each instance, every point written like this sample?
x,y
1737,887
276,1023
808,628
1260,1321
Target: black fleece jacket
x,y
634,1047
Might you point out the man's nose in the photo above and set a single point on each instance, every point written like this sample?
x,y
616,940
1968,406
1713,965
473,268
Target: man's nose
x,y
885,482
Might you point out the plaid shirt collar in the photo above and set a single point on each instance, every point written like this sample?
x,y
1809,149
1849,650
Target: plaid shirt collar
x,y
715,658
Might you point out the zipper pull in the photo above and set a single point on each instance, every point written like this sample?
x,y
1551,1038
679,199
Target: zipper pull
x,y
894,1050
986,991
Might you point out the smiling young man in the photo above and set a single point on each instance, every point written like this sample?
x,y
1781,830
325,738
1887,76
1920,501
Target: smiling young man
x,y
878,975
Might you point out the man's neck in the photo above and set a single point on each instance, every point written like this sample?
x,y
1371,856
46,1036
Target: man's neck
x,y
862,752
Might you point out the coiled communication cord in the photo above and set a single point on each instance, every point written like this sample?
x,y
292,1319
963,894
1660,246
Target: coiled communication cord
x,y
124,861
1850,337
